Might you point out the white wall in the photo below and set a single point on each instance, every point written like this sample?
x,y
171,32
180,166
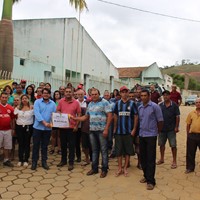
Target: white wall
x,y
62,43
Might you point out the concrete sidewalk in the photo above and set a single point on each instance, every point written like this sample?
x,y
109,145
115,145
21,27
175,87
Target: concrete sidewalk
x,y
59,183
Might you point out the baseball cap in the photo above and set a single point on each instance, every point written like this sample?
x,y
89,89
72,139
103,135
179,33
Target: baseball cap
x,y
23,81
124,88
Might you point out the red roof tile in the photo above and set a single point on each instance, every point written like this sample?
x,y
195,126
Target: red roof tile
x,y
130,72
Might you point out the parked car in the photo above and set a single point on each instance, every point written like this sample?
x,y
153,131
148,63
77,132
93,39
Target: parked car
x,y
190,100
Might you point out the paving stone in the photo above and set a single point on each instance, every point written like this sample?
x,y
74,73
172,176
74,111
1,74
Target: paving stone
x,y
9,195
20,181
74,186
59,183
28,190
157,196
61,178
31,184
24,176
40,194
47,181
5,184
44,187
14,173
23,197
35,178
75,180
49,176
56,196
76,175
15,188
57,190
9,178
3,175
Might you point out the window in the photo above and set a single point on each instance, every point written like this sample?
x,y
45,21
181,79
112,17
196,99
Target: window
x,y
53,69
22,61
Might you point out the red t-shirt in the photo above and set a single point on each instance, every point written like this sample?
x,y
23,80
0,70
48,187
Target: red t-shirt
x,y
6,115
69,107
175,96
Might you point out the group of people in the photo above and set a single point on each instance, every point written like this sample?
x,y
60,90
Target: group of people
x,y
117,124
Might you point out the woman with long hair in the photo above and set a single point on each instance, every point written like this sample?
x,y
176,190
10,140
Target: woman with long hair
x,y
24,127
55,133
9,91
31,94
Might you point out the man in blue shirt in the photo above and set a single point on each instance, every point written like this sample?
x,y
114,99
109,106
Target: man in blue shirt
x,y
151,122
43,109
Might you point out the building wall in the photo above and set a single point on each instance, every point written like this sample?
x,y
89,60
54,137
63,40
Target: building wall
x,y
152,74
58,49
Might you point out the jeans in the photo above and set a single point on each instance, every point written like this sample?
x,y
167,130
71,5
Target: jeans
x,y
24,138
110,137
67,139
193,141
40,138
99,143
148,157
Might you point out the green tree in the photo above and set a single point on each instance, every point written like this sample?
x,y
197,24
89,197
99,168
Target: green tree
x,y
6,32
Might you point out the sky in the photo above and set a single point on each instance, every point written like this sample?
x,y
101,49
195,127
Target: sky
x,y
128,37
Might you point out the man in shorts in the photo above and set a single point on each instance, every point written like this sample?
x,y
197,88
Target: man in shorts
x,y
6,127
125,126
171,115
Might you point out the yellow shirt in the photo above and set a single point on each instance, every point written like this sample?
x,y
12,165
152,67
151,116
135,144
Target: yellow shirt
x,y
193,119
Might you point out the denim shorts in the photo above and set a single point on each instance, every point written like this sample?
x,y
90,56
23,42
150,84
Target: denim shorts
x,y
170,135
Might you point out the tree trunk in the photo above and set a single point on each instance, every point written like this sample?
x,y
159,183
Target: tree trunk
x,y
6,45
6,37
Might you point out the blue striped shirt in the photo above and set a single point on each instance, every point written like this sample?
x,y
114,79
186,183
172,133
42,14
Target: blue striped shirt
x,y
125,112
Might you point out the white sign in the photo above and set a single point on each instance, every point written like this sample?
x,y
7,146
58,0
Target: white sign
x,y
60,120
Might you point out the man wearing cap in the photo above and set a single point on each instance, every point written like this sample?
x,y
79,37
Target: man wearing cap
x,y
125,126
171,115
23,84
151,121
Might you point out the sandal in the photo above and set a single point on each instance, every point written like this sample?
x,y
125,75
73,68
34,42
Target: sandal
x,y
159,162
118,173
173,166
52,151
125,173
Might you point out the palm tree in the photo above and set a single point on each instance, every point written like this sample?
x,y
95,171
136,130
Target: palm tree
x,y
6,32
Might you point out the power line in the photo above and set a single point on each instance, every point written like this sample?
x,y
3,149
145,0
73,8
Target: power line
x,y
150,12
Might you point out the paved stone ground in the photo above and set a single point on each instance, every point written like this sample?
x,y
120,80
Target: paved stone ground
x,y
59,183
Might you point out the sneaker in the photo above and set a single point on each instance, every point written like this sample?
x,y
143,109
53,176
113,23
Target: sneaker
x,y
8,164
19,164
25,164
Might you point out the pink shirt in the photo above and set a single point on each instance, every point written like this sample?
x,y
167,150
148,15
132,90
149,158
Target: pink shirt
x,y
69,107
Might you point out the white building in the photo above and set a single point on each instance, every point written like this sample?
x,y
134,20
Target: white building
x,y
60,51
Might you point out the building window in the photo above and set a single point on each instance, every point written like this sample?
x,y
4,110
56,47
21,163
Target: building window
x,y
22,61
53,69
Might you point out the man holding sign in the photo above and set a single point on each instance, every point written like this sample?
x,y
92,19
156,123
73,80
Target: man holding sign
x,y
68,105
